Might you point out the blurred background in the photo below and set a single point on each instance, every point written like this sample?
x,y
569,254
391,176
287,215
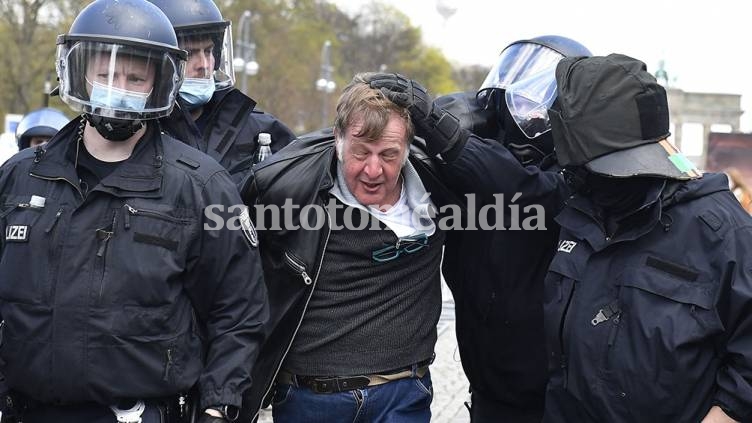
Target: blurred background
x,y
294,56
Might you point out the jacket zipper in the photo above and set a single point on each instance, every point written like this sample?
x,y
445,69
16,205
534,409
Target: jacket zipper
x,y
52,224
300,321
132,211
297,268
78,189
104,237
55,248
168,365
562,326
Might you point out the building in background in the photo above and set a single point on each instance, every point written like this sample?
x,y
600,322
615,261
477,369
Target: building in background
x,y
694,116
706,127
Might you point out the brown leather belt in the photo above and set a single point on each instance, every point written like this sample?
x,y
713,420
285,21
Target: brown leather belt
x,y
334,384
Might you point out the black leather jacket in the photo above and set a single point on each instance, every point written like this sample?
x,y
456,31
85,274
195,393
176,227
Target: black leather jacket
x,y
304,172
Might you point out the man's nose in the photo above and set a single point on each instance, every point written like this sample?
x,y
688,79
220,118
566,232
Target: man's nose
x,y
373,167
200,63
120,83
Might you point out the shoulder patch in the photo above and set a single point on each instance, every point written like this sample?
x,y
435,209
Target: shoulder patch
x,y
189,162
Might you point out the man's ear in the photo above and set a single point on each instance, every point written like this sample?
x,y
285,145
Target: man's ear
x,y
339,145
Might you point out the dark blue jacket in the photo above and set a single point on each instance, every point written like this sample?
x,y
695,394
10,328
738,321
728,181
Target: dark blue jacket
x,y
230,135
123,292
496,276
653,324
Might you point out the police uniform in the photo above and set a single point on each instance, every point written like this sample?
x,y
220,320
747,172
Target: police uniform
x,y
229,131
119,291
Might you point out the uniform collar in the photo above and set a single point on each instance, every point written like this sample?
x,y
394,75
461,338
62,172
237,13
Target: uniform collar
x,y
580,217
139,175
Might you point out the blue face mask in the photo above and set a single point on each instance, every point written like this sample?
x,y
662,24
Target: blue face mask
x,y
117,98
197,91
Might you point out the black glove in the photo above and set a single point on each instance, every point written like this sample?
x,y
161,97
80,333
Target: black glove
x,y
440,129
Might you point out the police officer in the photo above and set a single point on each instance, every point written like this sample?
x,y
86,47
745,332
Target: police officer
x,y
210,113
123,287
38,126
648,296
496,276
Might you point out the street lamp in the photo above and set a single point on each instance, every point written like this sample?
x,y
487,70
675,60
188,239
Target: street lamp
x,y
245,59
325,84
46,90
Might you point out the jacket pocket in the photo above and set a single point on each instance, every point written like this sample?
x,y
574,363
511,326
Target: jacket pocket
x,y
663,337
147,254
25,246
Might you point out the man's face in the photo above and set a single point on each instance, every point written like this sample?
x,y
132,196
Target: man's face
x,y
372,168
200,58
132,73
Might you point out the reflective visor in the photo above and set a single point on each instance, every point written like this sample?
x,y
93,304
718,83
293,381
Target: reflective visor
x,y
118,81
528,101
519,61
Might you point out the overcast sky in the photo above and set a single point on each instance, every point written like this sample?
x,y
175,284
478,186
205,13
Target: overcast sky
x,y
706,46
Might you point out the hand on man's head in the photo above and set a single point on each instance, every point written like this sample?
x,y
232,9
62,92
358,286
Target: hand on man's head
x,y
404,92
440,129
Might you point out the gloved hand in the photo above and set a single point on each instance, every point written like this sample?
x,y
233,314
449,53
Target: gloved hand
x,y
440,129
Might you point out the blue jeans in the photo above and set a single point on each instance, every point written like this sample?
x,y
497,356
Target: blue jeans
x,y
400,401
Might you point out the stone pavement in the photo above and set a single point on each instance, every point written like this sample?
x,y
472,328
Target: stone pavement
x,y
449,382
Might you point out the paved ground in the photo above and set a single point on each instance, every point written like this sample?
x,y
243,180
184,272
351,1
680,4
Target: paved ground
x,y
449,382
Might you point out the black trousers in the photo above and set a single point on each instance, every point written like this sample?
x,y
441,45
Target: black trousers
x,y
484,410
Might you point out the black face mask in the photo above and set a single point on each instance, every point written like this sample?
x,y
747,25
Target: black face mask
x,y
528,151
115,130
618,196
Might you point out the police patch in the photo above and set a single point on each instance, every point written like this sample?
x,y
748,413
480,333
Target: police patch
x,y
17,233
248,229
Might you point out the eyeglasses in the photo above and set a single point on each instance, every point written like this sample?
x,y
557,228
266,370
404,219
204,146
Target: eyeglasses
x,y
404,245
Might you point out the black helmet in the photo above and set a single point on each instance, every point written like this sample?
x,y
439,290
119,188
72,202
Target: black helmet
x,y
194,19
521,86
109,37
526,57
44,122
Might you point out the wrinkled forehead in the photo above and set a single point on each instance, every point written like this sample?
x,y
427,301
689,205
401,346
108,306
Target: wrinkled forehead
x,y
392,131
371,125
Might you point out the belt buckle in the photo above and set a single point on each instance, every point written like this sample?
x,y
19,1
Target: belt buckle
x,y
321,386
338,384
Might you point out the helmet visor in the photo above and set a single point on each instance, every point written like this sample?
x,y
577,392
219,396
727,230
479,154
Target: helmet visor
x,y
209,50
118,81
519,61
528,101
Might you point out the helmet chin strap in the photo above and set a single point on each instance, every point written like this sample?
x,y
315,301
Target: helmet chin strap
x,y
115,130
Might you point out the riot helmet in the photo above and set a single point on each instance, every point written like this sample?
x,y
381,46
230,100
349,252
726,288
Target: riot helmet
x,y
206,36
521,86
120,64
40,123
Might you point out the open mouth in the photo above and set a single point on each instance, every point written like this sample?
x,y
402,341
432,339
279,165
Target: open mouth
x,y
371,186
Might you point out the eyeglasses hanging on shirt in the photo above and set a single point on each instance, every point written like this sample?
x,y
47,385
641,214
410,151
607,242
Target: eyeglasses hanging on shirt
x,y
404,245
